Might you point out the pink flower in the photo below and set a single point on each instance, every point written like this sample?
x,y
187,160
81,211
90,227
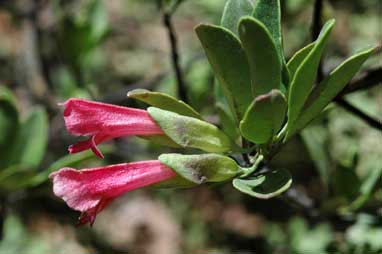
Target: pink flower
x,y
101,122
91,190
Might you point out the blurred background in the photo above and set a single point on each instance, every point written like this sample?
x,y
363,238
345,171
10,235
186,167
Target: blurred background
x,y
51,50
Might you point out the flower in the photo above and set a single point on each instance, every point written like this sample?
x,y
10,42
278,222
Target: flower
x,y
91,190
101,122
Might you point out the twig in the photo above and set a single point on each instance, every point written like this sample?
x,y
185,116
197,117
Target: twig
x,y
368,119
316,28
167,21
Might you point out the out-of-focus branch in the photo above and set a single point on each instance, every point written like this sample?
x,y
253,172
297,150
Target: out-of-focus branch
x,y
175,57
357,112
316,28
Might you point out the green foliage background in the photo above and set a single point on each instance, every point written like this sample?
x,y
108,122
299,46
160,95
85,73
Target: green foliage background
x,y
53,50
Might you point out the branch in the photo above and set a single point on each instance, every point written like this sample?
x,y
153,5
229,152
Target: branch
x,y
167,21
357,112
316,28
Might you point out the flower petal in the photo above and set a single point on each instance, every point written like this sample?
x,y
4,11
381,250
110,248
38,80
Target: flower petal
x,y
103,121
91,190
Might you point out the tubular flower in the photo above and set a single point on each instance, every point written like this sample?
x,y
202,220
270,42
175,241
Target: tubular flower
x,y
101,122
91,190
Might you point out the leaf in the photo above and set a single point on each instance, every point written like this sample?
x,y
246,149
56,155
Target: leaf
x,y
264,117
227,122
371,181
9,121
230,65
9,124
305,75
31,141
98,19
315,139
201,168
190,132
162,140
233,11
328,89
264,62
298,58
265,186
346,183
269,13
19,176
163,101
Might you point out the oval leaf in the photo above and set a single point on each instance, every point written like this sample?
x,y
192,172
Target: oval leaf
x,y
264,117
328,89
163,101
233,11
190,132
201,168
262,55
9,118
265,186
269,13
230,65
305,76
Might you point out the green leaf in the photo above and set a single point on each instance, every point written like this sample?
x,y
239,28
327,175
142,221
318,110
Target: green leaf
x,y
9,121
328,89
371,182
98,19
227,122
265,186
368,186
305,75
264,62
233,11
298,58
11,178
315,139
264,117
230,65
269,13
19,176
201,168
32,138
190,132
163,101
162,140
346,183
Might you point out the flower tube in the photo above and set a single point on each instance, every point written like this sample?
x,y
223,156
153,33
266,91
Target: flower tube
x,y
101,122
91,190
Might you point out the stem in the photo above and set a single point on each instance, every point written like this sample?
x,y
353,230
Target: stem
x,y
249,171
316,28
175,57
357,112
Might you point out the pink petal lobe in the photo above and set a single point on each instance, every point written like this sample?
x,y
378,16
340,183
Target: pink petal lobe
x,y
91,190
